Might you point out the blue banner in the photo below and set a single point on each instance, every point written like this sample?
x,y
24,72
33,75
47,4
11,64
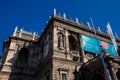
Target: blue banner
x,y
91,44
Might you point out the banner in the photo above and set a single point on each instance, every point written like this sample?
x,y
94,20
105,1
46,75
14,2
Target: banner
x,y
91,44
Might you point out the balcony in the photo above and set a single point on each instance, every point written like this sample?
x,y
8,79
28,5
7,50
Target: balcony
x,y
75,53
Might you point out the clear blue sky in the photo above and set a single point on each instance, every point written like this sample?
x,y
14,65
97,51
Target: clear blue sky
x,y
32,15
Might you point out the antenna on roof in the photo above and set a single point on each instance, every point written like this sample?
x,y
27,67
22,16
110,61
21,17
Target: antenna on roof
x,y
14,33
77,20
54,12
34,35
99,29
20,33
64,16
88,24
16,28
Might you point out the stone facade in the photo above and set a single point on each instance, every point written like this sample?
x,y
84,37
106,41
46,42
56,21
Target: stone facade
x,y
56,55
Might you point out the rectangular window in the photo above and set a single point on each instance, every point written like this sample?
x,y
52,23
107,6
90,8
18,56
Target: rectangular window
x,y
64,76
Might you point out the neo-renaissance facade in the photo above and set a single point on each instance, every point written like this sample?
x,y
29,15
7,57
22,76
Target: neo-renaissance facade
x,y
58,54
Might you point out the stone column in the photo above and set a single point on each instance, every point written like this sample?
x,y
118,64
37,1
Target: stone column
x,y
55,40
81,47
10,56
68,55
66,41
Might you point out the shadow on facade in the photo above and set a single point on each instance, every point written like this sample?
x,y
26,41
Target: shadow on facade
x,y
91,70
23,64
84,74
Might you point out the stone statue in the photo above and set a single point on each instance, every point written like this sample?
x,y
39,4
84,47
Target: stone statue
x,y
60,40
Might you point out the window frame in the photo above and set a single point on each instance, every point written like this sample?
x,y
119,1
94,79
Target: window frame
x,y
63,73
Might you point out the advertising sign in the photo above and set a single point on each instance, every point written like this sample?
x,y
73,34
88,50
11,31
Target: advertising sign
x,y
91,44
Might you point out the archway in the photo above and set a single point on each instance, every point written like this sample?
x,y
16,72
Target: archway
x,y
22,57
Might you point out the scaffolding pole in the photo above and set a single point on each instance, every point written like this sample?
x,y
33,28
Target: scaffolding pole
x,y
101,52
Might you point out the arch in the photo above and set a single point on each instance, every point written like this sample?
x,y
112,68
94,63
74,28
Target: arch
x,y
97,77
23,57
118,74
72,43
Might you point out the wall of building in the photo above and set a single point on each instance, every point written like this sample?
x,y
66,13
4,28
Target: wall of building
x,y
57,54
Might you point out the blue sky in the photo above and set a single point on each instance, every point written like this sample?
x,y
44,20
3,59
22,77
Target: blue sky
x,y
32,15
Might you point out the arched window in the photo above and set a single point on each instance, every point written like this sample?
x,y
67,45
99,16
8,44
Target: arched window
x,y
72,43
22,57
118,74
